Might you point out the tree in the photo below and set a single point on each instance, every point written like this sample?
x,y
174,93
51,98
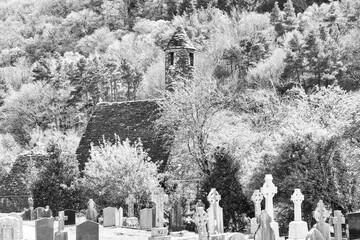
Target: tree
x,y
290,20
276,19
117,170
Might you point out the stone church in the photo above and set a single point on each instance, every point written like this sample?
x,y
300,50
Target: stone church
x,y
135,119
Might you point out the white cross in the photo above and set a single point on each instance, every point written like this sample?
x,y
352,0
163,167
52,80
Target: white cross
x,y
297,198
257,197
269,190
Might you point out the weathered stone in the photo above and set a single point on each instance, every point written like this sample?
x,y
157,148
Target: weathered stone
x,y
88,230
297,229
9,228
337,221
121,216
220,236
235,236
159,197
321,214
265,231
130,201
146,218
91,213
314,234
110,216
155,232
61,236
20,221
175,223
71,217
354,225
200,218
132,222
257,198
215,212
44,229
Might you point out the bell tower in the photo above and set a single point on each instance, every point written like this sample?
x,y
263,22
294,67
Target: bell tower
x,y
179,58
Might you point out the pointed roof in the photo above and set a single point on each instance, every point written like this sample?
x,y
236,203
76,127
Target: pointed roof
x,y
180,40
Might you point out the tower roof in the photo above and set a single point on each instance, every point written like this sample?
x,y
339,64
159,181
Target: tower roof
x,y
180,40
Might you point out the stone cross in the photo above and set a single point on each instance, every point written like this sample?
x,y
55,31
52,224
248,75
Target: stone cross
x,y
62,218
269,190
257,197
297,198
159,197
337,221
215,223
130,201
200,219
321,214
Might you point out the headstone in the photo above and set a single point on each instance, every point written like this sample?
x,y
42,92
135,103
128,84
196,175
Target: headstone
x,y
159,197
61,234
121,216
321,214
200,219
236,236
91,213
265,231
9,228
314,234
337,221
44,229
297,229
38,212
215,222
20,222
257,198
71,217
31,208
146,218
175,223
110,215
87,230
269,190
47,213
130,201
354,225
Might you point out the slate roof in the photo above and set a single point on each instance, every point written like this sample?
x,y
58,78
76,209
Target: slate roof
x,y
180,40
132,120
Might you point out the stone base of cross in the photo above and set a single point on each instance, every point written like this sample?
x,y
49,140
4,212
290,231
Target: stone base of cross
x,y
275,227
61,235
159,233
298,230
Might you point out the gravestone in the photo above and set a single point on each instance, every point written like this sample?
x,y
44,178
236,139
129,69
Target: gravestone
x,y
110,216
71,217
147,218
236,236
265,231
31,207
91,213
297,229
268,190
337,221
9,228
257,198
46,213
159,231
121,216
200,219
215,222
44,229
20,222
38,212
61,234
87,230
314,234
175,223
321,214
130,201
354,225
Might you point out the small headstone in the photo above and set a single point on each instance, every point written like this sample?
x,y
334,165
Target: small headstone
x,y
44,229
46,213
38,212
110,215
9,228
159,197
354,225
321,214
265,231
20,221
130,201
200,219
337,221
175,223
91,213
87,230
257,198
215,222
146,218
314,234
269,190
121,216
31,208
71,217
297,229
61,234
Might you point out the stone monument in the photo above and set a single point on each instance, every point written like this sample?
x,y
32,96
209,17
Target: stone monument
x,y
297,229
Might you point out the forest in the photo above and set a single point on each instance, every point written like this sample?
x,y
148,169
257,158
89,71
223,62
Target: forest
x,y
276,90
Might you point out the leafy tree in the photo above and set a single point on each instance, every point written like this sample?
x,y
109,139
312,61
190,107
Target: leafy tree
x,y
276,19
187,6
9,150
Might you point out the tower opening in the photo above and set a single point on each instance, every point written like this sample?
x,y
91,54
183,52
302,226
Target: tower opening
x,y
171,58
191,56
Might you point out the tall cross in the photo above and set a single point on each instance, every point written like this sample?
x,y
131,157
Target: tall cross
x,y
337,221
297,198
62,218
215,223
159,197
257,197
269,190
130,201
200,219
321,214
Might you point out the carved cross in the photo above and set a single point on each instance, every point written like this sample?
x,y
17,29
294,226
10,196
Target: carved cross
x,y
297,198
159,197
257,197
200,219
321,214
337,221
269,190
130,201
62,218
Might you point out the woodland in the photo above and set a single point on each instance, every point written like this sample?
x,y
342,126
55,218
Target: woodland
x,y
276,90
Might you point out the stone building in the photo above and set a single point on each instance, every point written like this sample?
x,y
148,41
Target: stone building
x,y
135,119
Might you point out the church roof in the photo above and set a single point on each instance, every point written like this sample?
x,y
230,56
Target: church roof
x,y
133,120
180,40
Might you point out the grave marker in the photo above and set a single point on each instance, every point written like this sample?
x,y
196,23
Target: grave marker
x,y
215,223
265,231
297,229
87,230
44,229
354,225
20,222
91,213
269,190
321,214
130,201
9,228
110,215
314,234
61,234
38,212
337,221
257,198
200,219
71,217
121,216
159,197
175,223
46,213
146,218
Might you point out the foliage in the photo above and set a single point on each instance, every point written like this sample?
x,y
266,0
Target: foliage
x,y
9,150
117,170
